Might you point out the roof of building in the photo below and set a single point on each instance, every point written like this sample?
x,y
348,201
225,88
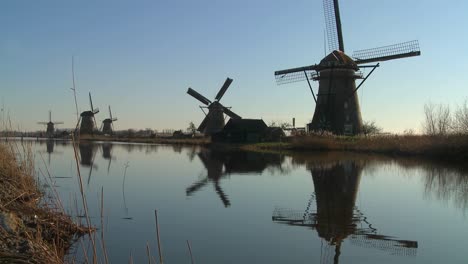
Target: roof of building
x,y
245,125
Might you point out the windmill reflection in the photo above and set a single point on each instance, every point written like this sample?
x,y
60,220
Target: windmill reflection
x,y
336,217
87,154
50,145
107,154
220,164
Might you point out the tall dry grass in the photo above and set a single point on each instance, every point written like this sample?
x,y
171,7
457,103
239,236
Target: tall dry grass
x,y
32,228
445,147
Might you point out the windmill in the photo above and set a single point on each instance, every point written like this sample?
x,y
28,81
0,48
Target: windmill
x,y
108,124
336,218
336,104
214,120
50,126
88,121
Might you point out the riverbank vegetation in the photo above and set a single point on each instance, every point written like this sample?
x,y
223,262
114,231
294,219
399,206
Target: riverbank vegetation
x,y
33,226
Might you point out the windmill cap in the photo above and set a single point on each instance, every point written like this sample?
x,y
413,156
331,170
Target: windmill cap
x,y
338,58
87,113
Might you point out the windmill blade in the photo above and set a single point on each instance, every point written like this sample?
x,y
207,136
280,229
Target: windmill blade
x,y
295,74
390,244
390,52
91,102
114,119
196,186
110,112
203,124
58,123
223,89
198,96
42,123
230,113
50,116
224,198
333,25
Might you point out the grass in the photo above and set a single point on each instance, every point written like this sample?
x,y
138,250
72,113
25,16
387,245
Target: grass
x,y
33,229
444,147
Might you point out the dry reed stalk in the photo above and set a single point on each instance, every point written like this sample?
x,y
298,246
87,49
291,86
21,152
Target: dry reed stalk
x,y
83,199
190,251
148,253
157,237
102,227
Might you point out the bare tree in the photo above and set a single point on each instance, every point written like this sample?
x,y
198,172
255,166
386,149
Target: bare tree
x,y
460,119
437,120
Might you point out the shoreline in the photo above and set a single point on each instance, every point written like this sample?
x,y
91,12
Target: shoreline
x,y
448,147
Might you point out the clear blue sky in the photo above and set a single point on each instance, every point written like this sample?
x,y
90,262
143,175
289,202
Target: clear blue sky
x,y
141,56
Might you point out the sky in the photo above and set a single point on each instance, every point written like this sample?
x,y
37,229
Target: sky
x,y
141,56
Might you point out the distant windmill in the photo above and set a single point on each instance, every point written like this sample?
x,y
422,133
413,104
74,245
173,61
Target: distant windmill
x,y
336,105
108,124
50,126
214,120
88,121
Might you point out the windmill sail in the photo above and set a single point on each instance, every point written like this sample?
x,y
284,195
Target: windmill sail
x,y
295,74
333,25
390,52
223,89
198,96
230,113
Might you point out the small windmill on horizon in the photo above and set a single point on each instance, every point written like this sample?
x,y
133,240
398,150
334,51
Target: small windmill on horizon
x,y
336,105
108,124
50,130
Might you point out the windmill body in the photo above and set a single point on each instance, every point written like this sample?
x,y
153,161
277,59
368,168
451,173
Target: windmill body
x,y
214,119
336,104
108,124
335,109
88,121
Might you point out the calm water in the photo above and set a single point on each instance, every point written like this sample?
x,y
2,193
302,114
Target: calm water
x,y
243,207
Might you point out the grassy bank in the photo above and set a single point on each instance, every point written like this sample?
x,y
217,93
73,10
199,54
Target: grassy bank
x,y
33,229
442,147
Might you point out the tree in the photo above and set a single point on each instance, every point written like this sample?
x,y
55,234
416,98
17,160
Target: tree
x,y
191,128
370,128
437,119
461,119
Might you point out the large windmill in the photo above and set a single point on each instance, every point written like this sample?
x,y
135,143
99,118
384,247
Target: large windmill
x,y
50,126
214,119
108,124
335,216
88,121
336,104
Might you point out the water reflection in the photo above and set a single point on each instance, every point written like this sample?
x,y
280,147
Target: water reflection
x,y
107,154
219,163
87,154
50,143
336,217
